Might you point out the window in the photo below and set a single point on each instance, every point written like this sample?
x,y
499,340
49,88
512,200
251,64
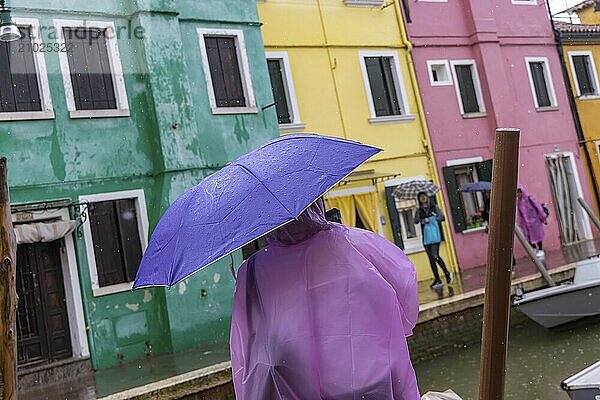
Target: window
x,y
284,93
466,207
226,71
468,87
540,80
91,68
384,86
439,73
407,234
24,89
116,237
584,73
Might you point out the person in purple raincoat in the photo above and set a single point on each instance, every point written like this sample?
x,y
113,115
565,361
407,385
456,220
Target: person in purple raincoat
x,y
323,312
531,218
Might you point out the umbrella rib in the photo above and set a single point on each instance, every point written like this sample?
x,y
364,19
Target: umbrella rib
x,y
268,190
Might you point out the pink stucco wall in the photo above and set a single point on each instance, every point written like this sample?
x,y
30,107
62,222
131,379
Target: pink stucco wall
x,y
498,35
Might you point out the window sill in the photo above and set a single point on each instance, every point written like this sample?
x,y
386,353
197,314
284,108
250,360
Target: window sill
x,y
442,83
474,115
234,110
544,109
413,249
364,3
98,114
473,230
589,97
106,290
391,119
293,127
26,115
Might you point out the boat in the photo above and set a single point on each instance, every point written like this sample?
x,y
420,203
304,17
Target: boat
x,y
559,305
584,384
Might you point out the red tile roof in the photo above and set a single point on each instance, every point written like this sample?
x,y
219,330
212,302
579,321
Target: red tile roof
x,y
576,28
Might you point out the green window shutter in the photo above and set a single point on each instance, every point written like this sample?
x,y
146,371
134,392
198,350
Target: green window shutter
x,y
455,203
484,170
394,217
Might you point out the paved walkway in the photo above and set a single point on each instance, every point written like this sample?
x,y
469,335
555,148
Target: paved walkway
x,y
474,278
145,371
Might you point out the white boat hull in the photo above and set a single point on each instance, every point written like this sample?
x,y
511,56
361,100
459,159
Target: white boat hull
x,y
561,304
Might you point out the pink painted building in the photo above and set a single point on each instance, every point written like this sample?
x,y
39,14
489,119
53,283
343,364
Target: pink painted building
x,y
483,64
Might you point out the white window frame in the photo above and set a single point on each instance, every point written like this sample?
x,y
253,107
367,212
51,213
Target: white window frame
x,y
594,74
477,84
584,219
290,91
414,245
245,75
142,219
549,83
364,3
41,72
398,84
525,2
446,64
116,68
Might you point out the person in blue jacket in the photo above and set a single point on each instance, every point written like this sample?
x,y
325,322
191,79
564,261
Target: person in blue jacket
x,y
430,216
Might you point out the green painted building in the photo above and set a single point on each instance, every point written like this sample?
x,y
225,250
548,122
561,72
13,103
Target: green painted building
x,y
109,111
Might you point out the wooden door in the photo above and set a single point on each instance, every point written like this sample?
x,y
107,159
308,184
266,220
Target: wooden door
x,y
43,322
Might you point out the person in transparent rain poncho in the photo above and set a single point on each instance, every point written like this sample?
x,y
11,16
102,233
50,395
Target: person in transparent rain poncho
x,y
323,312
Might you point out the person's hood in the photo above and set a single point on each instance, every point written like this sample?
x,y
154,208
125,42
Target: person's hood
x,y
309,223
522,189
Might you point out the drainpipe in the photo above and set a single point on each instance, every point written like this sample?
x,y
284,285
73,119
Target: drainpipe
x,y
332,66
573,106
424,130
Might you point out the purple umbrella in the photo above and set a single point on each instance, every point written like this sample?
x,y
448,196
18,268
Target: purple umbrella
x,y
255,194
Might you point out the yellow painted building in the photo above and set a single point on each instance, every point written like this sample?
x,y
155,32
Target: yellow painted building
x,y
343,68
581,52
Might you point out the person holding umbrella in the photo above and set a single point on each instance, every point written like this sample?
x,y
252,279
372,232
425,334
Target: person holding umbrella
x,y
324,310
430,216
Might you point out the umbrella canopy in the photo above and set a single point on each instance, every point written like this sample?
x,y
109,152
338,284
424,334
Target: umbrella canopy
x,y
481,186
410,190
248,198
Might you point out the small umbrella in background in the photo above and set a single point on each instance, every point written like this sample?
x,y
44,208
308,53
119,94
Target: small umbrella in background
x,y
481,186
252,196
410,190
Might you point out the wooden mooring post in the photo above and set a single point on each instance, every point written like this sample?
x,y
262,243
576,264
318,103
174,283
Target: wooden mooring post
x,y
534,258
499,260
8,294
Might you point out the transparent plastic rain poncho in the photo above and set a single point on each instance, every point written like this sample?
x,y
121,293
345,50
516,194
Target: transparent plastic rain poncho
x,y
323,312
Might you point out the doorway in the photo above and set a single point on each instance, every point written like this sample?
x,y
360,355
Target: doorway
x,y
42,318
574,225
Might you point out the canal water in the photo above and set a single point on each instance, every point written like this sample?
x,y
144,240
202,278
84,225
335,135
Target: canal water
x,y
538,360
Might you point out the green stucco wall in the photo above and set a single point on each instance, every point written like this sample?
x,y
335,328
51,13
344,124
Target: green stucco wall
x,y
64,158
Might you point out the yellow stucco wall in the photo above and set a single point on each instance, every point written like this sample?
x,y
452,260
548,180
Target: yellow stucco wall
x,y
587,107
589,16
322,40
